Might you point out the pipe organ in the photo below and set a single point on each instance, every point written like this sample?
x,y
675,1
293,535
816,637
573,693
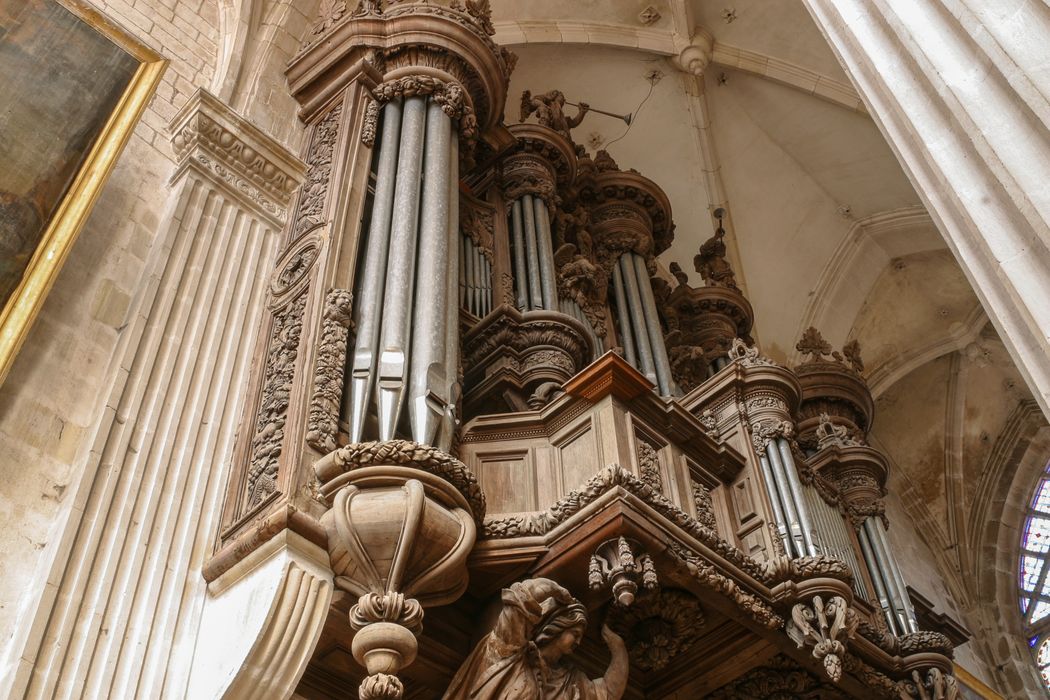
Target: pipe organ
x,y
473,372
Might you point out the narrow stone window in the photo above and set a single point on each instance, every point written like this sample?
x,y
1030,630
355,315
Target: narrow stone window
x,y
1033,575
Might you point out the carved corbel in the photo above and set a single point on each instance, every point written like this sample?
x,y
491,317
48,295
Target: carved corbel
x,y
622,565
826,626
402,521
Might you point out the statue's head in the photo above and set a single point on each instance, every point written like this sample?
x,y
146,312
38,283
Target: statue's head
x,y
560,628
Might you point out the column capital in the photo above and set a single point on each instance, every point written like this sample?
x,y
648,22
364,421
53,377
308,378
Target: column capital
x,y
214,140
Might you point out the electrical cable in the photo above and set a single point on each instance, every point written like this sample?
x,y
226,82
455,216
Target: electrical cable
x,y
637,110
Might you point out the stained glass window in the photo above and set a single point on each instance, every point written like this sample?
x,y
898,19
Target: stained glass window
x,y
1033,576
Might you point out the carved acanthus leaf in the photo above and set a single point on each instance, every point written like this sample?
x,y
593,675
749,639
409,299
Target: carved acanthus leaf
x,y
622,565
748,356
826,627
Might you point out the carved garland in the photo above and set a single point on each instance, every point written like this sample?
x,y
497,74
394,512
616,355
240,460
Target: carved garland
x,y
607,479
310,213
323,422
273,408
449,95
649,466
410,454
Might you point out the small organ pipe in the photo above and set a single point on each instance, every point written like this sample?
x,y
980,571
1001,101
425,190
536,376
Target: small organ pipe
x,y
486,284
637,316
796,492
652,326
548,278
521,275
400,271
369,302
428,398
627,336
532,253
461,244
477,280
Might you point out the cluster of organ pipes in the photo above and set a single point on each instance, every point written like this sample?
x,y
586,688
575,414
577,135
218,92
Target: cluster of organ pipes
x,y
407,341
535,283
475,281
642,336
886,577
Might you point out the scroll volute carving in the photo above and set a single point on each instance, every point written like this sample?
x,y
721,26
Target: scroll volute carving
x,y
702,324
832,384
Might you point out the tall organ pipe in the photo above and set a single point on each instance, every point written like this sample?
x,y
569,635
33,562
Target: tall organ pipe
x,y
521,277
452,390
877,580
796,491
895,573
627,335
652,327
882,562
400,271
636,313
793,521
370,289
548,279
532,253
775,499
428,397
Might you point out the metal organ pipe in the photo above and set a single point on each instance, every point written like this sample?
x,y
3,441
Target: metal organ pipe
x,y
520,274
620,292
370,289
532,254
451,379
895,573
775,500
400,272
784,447
881,590
548,279
636,315
652,326
428,397
792,520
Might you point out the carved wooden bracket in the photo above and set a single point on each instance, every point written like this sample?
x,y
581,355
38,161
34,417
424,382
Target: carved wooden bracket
x,y
826,627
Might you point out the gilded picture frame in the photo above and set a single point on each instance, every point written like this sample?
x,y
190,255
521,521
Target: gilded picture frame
x,y
42,245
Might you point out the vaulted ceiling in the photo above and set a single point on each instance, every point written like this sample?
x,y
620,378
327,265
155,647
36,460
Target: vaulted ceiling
x,y
826,228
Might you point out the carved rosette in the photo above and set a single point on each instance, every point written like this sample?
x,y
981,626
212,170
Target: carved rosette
x,y
702,324
520,355
622,565
659,626
832,385
402,520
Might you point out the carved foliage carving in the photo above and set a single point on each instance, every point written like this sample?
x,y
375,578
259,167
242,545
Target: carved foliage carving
x,y
659,626
310,213
622,565
705,509
826,627
323,421
748,356
778,678
649,466
282,351
449,95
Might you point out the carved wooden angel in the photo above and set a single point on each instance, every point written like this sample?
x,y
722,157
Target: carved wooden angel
x,y
526,656
550,111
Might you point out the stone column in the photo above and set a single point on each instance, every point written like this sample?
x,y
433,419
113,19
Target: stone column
x,y
959,89
127,589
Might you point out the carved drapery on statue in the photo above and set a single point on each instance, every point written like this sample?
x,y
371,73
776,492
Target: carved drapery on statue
x,y
525,656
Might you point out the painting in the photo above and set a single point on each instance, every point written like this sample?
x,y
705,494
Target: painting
x,y
73,85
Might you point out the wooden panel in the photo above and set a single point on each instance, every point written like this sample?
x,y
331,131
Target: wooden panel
x,y
744,500
578,457
754,543
508,483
